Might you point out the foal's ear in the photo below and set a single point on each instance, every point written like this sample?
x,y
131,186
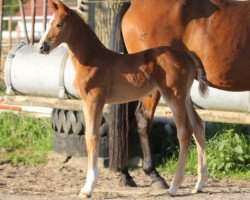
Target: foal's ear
x,y
61,5
53,5
57,6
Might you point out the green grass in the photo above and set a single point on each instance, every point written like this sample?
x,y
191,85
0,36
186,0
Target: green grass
x,y
27,140
24,139
228,153
2,88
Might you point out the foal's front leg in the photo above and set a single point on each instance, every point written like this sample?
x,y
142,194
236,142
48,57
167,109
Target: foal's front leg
x,y
93,115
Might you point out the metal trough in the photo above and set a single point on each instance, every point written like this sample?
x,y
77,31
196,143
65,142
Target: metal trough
x,y
221,99
29,73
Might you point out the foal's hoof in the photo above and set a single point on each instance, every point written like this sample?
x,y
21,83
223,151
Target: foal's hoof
x,y
83,195
160,185
86,192
196,190
127,182
171,193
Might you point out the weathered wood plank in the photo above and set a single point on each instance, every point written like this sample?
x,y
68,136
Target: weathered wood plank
x,y
211,115
69,104
161,111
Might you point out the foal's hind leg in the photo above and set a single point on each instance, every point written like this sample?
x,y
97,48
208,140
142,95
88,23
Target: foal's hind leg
x,y
144,116
93,116
199,135
184,134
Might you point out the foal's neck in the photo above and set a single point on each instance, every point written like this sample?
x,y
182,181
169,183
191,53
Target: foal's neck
x,y
84,45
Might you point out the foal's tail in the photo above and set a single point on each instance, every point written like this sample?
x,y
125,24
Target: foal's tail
x,y
201,74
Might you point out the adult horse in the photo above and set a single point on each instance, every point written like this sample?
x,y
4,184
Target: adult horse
x,y
217,31
102,76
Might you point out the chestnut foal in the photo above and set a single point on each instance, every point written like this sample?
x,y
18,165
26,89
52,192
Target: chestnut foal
x,y
103,76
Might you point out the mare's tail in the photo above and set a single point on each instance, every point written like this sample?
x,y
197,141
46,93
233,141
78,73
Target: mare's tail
x,y
118,114
201,74
116,42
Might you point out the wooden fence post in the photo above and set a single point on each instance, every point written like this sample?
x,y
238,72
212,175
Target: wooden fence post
x,y
91,14
1,27
45,13
33,20
24,21
10,32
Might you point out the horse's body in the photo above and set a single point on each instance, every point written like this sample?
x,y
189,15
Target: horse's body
x,y
217,31
123,78
103,76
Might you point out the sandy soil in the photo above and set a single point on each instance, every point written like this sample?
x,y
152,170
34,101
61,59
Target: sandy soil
x,y
57,181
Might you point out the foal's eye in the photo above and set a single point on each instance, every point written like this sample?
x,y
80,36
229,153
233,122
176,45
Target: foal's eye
x,y
59,25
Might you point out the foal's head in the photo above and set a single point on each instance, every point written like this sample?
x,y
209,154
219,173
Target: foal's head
x,y
59,30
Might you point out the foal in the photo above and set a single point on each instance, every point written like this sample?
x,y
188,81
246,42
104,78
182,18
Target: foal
x,y
103,76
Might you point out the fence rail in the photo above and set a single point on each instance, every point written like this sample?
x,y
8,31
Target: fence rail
x,y
161,110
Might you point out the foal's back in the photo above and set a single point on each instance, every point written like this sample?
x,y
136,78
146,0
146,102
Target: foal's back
x,y
134,76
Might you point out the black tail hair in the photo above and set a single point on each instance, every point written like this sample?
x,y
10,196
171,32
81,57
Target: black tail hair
x,y
118,114
116,42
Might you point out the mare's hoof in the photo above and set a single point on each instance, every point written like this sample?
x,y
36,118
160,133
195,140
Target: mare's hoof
x,y
131,183
127,182
160,185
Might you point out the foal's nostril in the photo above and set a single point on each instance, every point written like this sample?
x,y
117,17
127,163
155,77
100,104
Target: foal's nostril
x,y
45,47
41,48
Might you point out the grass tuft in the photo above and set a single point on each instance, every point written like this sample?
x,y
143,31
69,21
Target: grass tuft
x,y
2,88
24,139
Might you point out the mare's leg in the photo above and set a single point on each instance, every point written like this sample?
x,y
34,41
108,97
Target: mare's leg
x,y
144,116
125,178
184,134
93,115
199,135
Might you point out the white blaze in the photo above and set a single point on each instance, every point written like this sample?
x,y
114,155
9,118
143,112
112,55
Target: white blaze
x,y
46,32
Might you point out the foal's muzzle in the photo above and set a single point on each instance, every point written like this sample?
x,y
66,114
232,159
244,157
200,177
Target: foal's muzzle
x,y
45,48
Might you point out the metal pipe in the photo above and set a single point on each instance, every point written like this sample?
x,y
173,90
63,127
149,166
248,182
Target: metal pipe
x,y
30,73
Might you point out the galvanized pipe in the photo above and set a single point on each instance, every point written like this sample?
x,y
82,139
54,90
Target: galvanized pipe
x,y
28,72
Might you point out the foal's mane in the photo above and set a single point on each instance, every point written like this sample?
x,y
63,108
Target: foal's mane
x,y
82,22
77,13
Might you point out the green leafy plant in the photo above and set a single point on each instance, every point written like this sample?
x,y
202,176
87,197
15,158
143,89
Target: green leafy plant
x,y
227,149
229,152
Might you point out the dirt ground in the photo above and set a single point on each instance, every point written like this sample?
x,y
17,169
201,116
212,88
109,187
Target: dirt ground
x,y
62,181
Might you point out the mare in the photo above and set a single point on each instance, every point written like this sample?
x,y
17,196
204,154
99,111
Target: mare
x,y
218,31
102,76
